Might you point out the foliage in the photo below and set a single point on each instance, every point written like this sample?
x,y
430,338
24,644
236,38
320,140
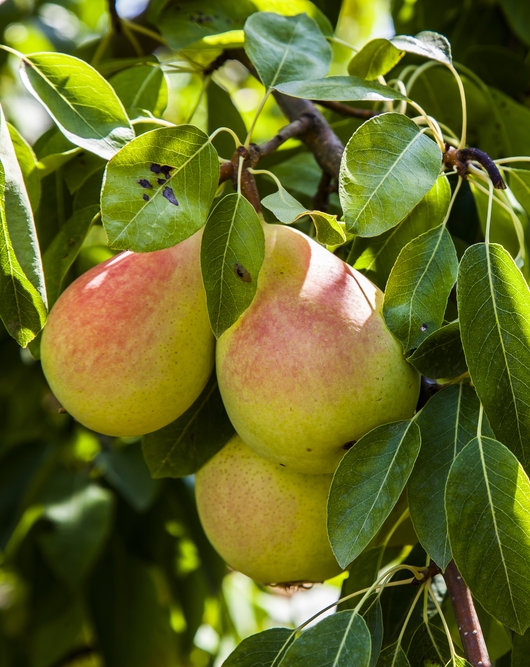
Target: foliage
x,y
134,134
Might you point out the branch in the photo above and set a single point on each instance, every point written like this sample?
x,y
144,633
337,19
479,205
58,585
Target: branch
x,y
466,618
294,129
460,160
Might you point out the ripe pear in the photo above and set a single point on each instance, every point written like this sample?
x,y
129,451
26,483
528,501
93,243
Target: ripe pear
x,y
264,520
128,346
310,366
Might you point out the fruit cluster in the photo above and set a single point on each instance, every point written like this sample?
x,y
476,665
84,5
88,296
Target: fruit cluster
x,y
307,370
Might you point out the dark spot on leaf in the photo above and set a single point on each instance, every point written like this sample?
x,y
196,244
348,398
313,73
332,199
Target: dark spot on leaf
x,y
160,181
144,183
145,197
348,445
282,465
309,449
242,273
424,327
163,169
169,195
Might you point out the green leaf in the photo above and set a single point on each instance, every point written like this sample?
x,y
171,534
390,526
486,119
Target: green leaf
x,y
518,15
419,286
80,168
232,252
520,650
80,515
447,423
184,446
519,180
393,656
375,257
286,48
488,515
21,307
423,651
158,190
427,44
362,574
339,89
142,88
376,58
18,213
340,640
458,661
261,650
287,209
64,248
182,25
367,485
387,168
493,305
222,111
80,101
441,354
27,161
125,469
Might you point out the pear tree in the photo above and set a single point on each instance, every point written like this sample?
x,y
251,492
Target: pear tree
x,y
337,215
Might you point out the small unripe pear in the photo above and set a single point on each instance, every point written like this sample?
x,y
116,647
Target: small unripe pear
x,y
310,367
264,520
128,346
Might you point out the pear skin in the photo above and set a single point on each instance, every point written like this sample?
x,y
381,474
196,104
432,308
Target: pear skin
x,y
264,520
128,346
310,367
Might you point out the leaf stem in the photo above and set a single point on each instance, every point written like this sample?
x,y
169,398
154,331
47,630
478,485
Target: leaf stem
x,y
466,618
462,92
444,622
226,129
144,31
256,116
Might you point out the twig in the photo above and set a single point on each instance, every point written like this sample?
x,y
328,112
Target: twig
x,y
321,198
114,16
466,618
460,159
294,129
346,110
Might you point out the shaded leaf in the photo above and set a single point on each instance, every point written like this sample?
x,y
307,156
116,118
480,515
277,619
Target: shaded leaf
x,y
80,515
393,656
80,101
64,248
18,213
340,89
340,640
158,190
493,304
142,88
185,445
424,651
125,469
447,423
367,485
387,168
21,307
232,252
441,354
419,286
286,48
182,25
488,515
520,186
428,44
222,110
375,257
521,649
80,168
261,650
518,15
362,574
376,58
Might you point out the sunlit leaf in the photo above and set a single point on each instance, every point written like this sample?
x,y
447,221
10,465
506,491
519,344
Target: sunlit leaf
x,y
28,165
142,88
80,100
286,48
419,286
494,311
428,44
340,640
340,89
264,649
232,252
488,516
367,485
185,445
376,58
375,257
387,168
158,189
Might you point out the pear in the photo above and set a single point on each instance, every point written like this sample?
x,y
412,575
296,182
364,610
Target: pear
x,y
128,346
264,520
310,366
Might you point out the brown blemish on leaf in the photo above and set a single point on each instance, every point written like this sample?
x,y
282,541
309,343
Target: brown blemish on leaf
x,y
242,273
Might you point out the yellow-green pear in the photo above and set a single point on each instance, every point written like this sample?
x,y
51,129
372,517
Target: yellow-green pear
x,y
310,366
128,346
264,520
